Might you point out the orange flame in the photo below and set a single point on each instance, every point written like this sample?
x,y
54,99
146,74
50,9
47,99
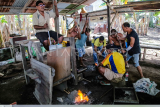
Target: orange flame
x,y
81,97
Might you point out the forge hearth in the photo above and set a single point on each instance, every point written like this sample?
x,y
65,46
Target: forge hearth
x,y
74,98
81,98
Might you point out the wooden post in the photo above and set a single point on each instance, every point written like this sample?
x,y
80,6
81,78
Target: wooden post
x,y
73,59
108,14
22,48
19,22
56,19
144,54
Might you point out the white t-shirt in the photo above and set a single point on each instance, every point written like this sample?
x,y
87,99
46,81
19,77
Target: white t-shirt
x,y
39,20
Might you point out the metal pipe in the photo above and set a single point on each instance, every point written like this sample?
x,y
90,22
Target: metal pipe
x,y
19,22
108,11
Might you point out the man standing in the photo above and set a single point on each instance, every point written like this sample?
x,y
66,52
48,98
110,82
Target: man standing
x,y
114,40
116,66
41,21
81,42
98,43
133,46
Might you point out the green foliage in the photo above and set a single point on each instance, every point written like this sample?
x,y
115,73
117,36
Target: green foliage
x,y
157,13
122,1
3,19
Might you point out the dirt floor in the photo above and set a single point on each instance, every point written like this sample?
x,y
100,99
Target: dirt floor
x,y
13,87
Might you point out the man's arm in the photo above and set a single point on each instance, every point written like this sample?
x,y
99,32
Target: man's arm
x,y
130,45
110,40
103,49
74,26
88,37
79,34
85,25
120,37
104,45
132,41
56,9
40,27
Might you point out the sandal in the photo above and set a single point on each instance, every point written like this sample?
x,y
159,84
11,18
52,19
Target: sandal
x,y
104,83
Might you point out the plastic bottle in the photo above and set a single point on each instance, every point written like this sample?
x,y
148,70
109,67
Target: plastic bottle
x,y
126,77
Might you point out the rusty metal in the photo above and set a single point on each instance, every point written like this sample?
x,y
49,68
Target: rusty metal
x,y
132,99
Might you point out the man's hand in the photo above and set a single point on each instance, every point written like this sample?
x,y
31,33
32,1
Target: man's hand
x,y
75,23
99,53
79,30
123,51
45,25
87,21
55,3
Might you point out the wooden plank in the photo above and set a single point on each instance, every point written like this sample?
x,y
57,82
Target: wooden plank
x,y
73,59
25,41
38,51
149,47
40,97
43,69
31,74
59,59
43,91
22,48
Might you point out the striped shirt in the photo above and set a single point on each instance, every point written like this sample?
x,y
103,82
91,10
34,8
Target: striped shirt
x,y
116,62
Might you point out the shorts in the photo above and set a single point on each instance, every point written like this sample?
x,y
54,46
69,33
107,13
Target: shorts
x,y
42,36
110,75
81,51
135,59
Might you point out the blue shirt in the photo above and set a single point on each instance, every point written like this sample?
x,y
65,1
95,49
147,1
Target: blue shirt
x,y
80,42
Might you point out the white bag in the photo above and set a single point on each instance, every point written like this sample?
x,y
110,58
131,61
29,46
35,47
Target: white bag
x,y
146,86
52,47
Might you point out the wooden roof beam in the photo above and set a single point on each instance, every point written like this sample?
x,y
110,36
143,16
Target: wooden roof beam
x,y
138,4
71,3
26,5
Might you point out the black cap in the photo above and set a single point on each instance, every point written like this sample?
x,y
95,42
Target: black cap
x,y
39,1
101,38
109,46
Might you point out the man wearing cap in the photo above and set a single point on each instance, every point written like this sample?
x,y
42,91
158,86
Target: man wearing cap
x,y
116,64
114,40
98,43
41,21
133,46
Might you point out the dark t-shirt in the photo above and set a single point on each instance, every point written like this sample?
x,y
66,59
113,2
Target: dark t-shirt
x,y
136,47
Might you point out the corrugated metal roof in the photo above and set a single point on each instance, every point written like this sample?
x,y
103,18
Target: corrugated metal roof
x,y
18,3
16,6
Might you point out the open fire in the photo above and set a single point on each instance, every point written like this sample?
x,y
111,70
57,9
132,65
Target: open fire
x,y
81,98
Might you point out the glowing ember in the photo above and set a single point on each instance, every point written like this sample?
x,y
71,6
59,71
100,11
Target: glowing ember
x,y
82,98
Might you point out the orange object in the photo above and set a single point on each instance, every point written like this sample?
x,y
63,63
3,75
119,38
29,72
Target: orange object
x,y
81,97
125,1
96,64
